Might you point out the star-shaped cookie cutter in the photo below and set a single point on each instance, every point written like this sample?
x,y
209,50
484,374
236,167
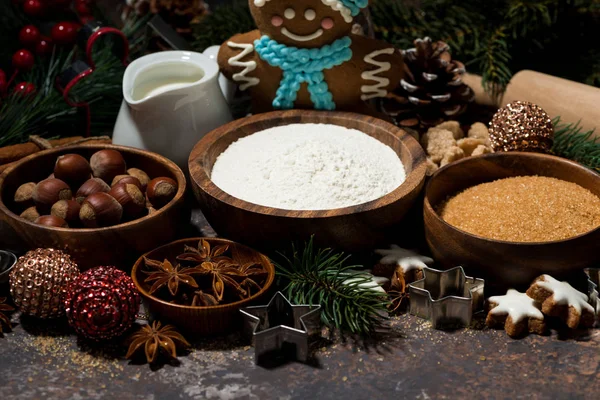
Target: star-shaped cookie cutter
x,y
446,298
593,275
281,322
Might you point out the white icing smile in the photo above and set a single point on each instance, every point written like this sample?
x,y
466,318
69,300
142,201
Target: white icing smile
x,y
302,38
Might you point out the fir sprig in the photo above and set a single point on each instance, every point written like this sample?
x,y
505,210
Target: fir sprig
x,y
321,276
572,142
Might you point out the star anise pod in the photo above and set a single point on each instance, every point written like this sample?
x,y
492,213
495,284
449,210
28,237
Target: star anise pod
x,y
203,299
224,275
204,253
255,273
154,339
4,320
164,273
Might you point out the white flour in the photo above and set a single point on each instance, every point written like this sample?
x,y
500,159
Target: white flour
x,y
308,167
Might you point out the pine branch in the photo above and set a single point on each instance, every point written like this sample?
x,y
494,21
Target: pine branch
x,y
494,64
571,142
224,22
316,276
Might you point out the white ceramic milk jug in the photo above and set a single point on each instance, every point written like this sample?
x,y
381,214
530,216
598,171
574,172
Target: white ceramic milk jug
x,y
170,100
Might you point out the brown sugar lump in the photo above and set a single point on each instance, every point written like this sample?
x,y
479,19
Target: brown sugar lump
x,y
524,209
479,131
560,299
468,145
438,142
431,167
517,313
452,154
452,126
481,149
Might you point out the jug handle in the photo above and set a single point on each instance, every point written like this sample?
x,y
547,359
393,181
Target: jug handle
x,y
227,87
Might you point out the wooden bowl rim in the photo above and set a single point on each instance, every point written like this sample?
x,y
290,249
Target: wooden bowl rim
x,y
417,175
240,303
516,154
177,172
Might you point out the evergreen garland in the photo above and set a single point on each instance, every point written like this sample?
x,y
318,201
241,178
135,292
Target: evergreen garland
x,y
317,276
222,23
46,113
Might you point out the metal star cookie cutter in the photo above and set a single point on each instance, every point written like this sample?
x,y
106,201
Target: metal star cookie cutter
x,y
446,298
593,285
279,323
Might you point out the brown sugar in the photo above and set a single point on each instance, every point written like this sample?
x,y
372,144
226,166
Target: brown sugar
x,y
524,209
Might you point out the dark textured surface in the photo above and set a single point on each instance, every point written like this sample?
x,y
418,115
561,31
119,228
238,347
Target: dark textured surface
x,y
412,361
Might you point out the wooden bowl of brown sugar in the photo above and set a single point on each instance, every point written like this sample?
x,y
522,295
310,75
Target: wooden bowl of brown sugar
x,y
504,245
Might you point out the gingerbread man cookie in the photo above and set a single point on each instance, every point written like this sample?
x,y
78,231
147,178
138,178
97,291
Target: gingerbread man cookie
x,y
303,55
559,299
517,312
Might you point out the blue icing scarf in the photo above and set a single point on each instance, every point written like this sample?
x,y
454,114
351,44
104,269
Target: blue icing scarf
x,y
303,65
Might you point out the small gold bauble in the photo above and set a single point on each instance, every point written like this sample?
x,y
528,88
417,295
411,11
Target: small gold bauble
x,y
521,126
39,280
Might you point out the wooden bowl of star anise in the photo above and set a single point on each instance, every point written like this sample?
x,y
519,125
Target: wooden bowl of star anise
x,y
200,284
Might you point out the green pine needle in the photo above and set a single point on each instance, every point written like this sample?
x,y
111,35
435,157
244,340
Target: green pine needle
x,y
570,141
316,276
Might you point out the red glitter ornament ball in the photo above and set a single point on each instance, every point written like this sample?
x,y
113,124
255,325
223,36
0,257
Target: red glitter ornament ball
x,y
65,32
24,88
33,8
102,303
29,35
23,59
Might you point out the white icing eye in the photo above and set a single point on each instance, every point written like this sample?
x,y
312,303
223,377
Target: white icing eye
x,y
310,14
289,13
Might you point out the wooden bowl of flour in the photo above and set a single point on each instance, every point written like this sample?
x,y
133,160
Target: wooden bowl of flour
x,y
352,228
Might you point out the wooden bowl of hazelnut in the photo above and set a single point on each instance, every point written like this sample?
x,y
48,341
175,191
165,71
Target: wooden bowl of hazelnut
x,y
103,204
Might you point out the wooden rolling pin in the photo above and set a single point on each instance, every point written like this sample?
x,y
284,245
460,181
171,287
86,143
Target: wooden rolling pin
x,y
572,101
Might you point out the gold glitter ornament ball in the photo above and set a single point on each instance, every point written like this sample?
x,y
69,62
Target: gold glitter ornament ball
x,y
521,126
39,280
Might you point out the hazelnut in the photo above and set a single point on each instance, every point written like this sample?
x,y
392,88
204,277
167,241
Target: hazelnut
x,y
51,220
141,176
130,197
106,164
49,191
161,190
24,194
72,168
100,209
31,214
67,210
127,179
91,186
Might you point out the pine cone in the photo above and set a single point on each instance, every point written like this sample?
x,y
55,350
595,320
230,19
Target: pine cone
x,y
432,90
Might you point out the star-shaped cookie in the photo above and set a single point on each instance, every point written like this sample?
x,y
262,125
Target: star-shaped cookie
x,y
560,299
517,312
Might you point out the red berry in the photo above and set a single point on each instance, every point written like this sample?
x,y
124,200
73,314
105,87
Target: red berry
x,y
29,35
83,9
24,88
44,46
65,32
23,59
33,8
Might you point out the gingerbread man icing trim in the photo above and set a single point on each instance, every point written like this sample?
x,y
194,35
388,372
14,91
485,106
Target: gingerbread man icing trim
x,y
376,90
249,66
